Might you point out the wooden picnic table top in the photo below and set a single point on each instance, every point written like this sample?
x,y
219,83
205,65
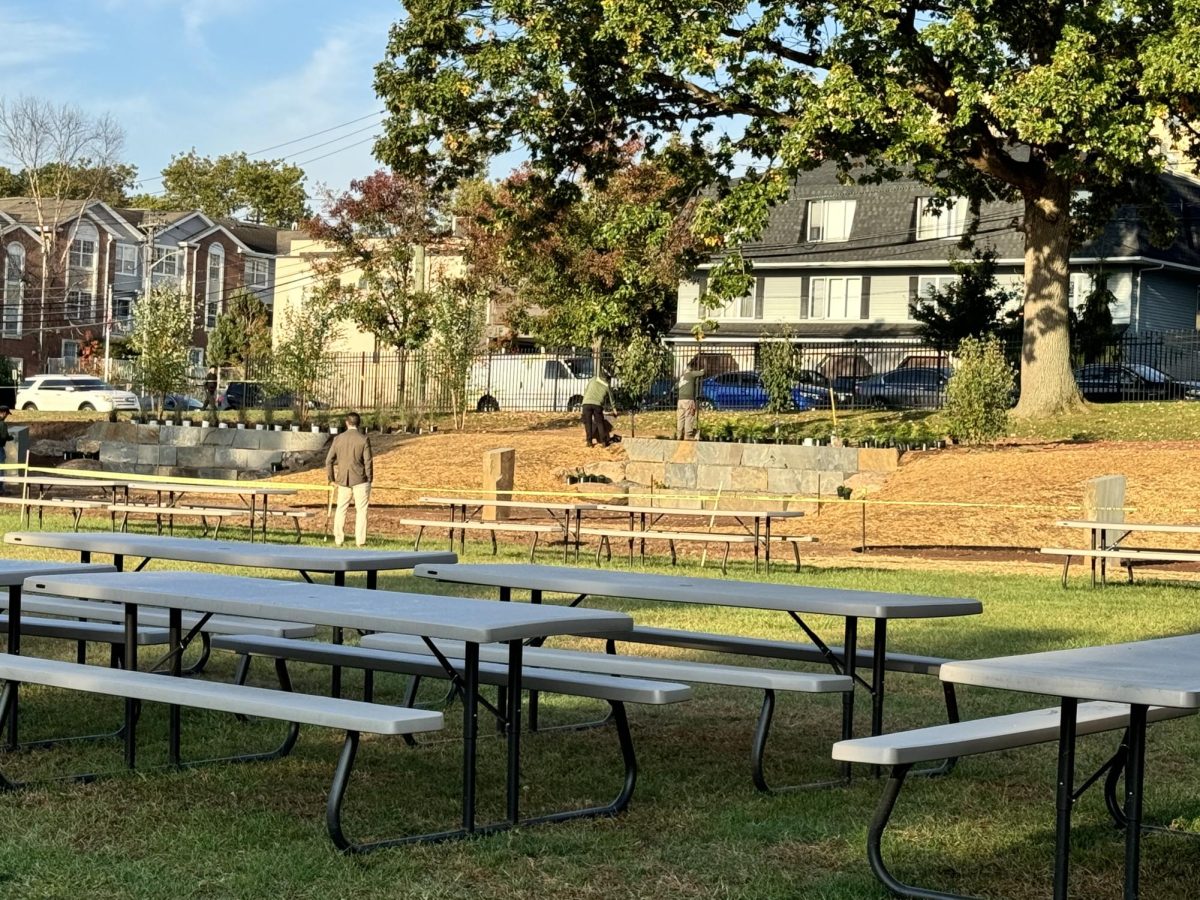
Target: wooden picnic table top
x,y
56,481
185,488
1129,526
509,504
705,513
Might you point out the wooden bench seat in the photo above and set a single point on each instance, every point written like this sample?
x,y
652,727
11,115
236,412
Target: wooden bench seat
x,y
534,530
75,507
688,671
351,716
904,749
671,537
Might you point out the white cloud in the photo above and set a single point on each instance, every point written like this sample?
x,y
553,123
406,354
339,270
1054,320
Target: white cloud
x,y
29,41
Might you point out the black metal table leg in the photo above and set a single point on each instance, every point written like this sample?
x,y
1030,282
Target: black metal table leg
x,y
372,579
1135,768
14,647
1066,796
335,676
514,732
878,668
175,643
849,664
131,664
534,597
470,733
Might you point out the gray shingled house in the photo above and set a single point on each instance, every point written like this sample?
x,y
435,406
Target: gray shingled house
x,y
843,262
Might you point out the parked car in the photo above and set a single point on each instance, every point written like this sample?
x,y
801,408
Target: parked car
x,y
912,388
60,393
1111,382
172,402
744,390
816,387
249,395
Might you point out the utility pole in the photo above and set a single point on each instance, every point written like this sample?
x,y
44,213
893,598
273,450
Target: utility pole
x,y
108,323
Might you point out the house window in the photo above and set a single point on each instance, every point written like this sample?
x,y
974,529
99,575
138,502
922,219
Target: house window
x,y
70,350
214,286
83,248
122,310
14,288
748,306
127,259
927,284
79,305
256,274
835,298
830,220
941,221
1079,287
165,261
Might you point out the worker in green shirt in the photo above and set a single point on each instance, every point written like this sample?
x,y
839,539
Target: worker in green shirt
x,y
686,409
596,396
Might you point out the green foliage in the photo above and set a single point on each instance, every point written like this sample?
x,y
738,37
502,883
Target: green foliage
x,y
7,379
1094,324
638,364
779,365
1016,101
242,332
459,323
161,338
378,230
979,392
110,183
303,358
586,265
268,192
968,307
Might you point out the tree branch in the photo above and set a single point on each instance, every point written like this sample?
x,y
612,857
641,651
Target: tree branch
x,y
714,102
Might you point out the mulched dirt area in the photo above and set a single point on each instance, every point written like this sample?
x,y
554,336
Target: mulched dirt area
x,y
981,505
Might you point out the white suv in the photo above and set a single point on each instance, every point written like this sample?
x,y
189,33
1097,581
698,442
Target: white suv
x,y
60,393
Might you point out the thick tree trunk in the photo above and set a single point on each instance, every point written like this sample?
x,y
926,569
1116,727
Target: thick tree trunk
x,y
1047,383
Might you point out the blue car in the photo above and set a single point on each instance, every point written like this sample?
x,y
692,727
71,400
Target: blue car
x,y
744,390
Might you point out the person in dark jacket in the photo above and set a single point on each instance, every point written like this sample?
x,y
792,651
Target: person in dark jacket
x,y
596,396
349,466
210,389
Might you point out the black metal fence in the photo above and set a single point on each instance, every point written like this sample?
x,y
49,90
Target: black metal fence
x,y
894,374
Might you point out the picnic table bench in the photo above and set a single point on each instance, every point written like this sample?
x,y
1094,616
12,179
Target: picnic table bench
x,y
607,535
902,750
564,515
1106,538
795,601
203,513
76,507
354,717
535,531
434,617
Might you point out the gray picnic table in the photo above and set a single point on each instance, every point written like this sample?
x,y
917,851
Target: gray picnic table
x,y
431,617
1160,672
796,601
333,561
13,573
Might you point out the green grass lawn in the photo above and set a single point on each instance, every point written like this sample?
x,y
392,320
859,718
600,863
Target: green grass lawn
x,y
696,828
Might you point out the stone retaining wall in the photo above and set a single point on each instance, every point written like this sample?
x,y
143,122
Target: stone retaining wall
x,y
677,470
192,451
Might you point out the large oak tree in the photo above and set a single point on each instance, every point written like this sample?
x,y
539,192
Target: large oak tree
x,y
1028,100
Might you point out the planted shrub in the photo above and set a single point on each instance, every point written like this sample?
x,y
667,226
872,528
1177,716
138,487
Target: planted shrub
x,y
980,392
778,367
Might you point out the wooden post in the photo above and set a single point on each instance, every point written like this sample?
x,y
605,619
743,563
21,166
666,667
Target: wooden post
x,y
499,470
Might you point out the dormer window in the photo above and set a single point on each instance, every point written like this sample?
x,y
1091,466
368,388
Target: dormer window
x,y
83,248
945,221
830,220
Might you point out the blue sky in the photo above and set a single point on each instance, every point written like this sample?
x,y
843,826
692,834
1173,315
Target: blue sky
x,y
217,75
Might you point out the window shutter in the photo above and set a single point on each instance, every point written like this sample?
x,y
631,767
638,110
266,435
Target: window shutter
x,y
760,287
866,297
804,298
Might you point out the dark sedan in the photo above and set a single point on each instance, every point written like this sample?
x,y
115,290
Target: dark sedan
x,y
1112,382
912,388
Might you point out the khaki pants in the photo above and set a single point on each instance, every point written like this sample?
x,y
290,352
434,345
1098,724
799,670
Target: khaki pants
x,y
685,420
361,495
